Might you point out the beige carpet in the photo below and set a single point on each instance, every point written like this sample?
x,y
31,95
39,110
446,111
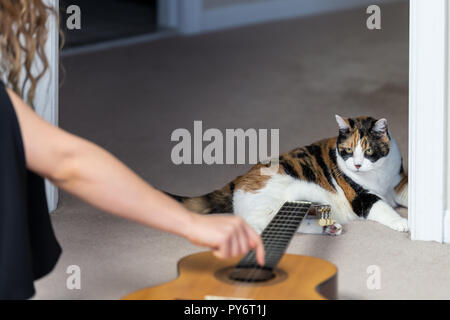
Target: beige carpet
x,y
293,75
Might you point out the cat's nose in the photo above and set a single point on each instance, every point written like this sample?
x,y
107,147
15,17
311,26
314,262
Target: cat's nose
x,y
357,166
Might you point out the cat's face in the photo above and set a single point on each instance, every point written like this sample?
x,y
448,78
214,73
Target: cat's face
x,y
363,142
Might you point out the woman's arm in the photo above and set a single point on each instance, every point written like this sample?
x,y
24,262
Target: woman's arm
x,y
94,175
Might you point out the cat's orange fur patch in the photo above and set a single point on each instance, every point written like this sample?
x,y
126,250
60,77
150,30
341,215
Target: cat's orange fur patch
x,y
253,180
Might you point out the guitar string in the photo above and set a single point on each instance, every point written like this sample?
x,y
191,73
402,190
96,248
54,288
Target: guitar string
x,y
249,259
282,224
284,217
285,222
303,211
287,215
282,233
288,220
281,240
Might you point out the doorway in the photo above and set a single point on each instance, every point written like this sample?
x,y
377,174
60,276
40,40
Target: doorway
x,y
105,20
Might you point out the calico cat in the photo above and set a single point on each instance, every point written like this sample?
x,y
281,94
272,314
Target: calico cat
x,y
359,174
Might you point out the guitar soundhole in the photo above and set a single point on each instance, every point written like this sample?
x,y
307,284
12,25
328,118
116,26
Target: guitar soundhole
x,y
251,275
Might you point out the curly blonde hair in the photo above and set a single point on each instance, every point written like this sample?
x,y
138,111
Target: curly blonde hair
x,y
23,34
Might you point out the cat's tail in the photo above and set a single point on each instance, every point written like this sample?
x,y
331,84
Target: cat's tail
x,y
219,201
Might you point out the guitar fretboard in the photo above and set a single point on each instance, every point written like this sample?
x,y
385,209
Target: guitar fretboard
x,y
277,235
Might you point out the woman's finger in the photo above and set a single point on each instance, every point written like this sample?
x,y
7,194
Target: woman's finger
x,y
222,251
243,240
256,244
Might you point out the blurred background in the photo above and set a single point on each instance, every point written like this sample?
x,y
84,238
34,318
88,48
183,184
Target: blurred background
x,y
138,70
104,20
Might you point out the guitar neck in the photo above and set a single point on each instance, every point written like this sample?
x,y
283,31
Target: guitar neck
x,y
278,234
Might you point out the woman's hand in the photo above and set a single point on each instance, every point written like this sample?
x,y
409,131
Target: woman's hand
x,y
227,236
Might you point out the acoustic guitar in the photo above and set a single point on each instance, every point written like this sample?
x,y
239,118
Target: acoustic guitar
x,y
283,276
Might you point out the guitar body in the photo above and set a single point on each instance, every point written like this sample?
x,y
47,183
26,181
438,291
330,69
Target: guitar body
x,y
203,276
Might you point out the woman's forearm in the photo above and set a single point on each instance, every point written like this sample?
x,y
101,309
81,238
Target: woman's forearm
x,y
100,179
94,175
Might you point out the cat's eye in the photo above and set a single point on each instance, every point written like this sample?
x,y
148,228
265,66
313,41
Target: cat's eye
x,y
369,152
348,150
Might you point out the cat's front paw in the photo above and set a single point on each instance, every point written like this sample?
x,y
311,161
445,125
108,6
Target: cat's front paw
x,y
400,224
383,213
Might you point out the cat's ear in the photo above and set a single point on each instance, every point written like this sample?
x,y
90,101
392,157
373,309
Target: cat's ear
x,y
380,127
342,123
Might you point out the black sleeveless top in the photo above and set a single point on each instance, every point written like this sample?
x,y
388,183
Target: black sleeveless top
x,y
28,247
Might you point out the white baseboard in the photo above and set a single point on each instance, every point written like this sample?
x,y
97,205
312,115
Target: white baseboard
x,y
245,14
110,44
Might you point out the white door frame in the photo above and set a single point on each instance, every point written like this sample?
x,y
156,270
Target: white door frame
x,y
46,101
428,101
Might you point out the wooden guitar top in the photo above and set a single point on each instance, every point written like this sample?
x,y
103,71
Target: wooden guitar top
x,y
203,276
